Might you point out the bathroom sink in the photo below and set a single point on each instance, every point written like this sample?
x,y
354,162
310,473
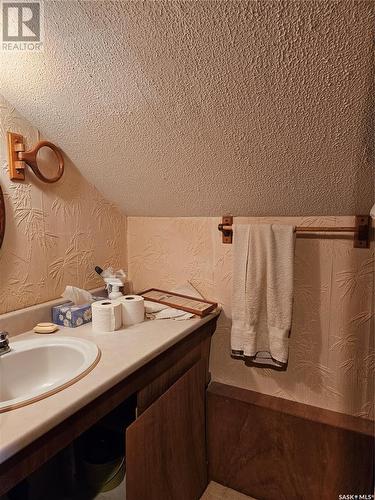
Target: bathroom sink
x,y
37,368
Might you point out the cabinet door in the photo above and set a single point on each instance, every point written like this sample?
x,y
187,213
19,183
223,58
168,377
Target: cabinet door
x,y
166,445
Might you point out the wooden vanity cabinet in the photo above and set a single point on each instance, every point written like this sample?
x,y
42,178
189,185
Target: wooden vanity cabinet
x,y
165,445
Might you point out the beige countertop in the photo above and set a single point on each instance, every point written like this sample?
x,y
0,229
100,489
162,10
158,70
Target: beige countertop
x,y
122,352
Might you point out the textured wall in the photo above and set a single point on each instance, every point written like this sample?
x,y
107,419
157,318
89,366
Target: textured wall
x,y
332,358
206,107
55,234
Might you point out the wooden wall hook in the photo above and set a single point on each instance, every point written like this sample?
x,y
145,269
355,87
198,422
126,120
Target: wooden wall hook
x,y
17,157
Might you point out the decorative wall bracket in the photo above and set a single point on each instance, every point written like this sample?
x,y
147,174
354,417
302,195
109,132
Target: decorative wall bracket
x,y
227,232
363,230
17,157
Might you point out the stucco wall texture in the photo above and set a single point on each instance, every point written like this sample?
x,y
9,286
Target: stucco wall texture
x,y
55,233
208,107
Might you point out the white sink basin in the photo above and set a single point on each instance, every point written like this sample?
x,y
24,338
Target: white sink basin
x,y
37,368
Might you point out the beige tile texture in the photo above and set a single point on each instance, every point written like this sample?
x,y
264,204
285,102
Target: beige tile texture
x,y
332,359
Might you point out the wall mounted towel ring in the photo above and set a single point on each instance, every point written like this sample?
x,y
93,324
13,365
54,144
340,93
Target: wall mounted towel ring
x,y
17,157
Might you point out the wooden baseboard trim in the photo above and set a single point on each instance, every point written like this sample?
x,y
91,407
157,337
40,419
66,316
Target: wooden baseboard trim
x,y
272,448
301,410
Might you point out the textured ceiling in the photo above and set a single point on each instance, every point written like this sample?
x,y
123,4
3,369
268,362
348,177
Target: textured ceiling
x,y
207,107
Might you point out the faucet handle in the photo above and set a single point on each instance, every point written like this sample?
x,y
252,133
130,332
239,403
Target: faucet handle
x,y
3,336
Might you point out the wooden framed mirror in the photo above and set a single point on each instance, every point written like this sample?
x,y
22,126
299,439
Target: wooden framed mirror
x,y
2,217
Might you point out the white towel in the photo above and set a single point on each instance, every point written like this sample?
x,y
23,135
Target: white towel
x,y
262,296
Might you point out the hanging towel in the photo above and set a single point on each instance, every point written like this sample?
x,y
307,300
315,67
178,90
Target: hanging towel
x,y
262,293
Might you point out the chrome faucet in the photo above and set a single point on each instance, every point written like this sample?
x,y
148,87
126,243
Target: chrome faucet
x,y
4,343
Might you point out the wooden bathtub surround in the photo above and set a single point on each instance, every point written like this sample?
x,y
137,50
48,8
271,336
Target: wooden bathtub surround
x,y
170,393
271,448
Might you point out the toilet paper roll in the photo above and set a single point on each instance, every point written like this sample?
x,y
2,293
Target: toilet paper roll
x,y
133,309
106,316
